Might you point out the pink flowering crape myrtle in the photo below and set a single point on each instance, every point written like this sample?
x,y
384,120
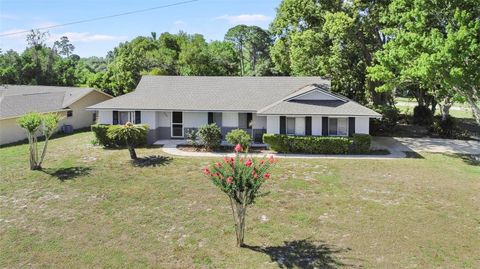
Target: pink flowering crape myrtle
x,y
240,178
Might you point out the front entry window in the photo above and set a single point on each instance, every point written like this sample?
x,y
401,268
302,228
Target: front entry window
x,y
338,126
177,124
291,126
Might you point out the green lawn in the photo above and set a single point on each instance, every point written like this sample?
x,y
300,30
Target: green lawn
x,y
92,208
458,110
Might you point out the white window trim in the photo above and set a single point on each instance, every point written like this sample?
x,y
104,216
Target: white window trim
x,y
171,124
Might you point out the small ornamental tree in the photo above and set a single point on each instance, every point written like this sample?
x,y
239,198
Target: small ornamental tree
x,y
240,178
130,133
35,125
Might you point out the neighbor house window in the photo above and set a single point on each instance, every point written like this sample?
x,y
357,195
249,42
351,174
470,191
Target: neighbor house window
x,y
338,126
69,113
291,126
94,116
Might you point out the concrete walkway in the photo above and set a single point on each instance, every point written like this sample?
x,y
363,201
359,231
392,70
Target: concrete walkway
x,y
170,147
396,145
438,145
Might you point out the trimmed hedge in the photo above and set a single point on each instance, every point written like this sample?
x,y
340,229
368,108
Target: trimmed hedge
x,y
307,144
361,143
100,132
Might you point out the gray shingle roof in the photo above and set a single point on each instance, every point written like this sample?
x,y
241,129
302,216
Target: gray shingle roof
x,y
16,100
319,107
208,93
341,107
266,95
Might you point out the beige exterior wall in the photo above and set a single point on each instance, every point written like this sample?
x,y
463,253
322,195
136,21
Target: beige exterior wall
x,y
81,118
10,132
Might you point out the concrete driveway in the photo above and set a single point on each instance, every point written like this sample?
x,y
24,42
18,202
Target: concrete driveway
x,y
401,144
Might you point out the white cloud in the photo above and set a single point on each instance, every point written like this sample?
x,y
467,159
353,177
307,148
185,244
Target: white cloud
x,y
86,37
245,18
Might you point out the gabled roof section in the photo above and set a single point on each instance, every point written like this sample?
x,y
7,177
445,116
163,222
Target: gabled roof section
x,y
201,93
315,100
16,100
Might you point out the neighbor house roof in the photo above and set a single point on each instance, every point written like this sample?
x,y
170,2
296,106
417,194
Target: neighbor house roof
x,y
17,100
202,93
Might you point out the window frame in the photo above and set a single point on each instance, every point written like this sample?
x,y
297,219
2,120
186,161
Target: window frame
x,y
337,129
177,124
294,125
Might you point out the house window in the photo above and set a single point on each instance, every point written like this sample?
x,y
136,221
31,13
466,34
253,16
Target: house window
x,y
177,124
94,117
69,113
126,116
291,126
338,126
245,120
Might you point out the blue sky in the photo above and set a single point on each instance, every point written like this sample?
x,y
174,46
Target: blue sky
x,y
212,18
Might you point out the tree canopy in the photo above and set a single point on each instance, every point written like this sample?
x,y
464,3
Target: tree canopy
x,y
372,50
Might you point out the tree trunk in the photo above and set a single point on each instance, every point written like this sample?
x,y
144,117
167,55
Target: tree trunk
x,y
239,212
240,225
475,108
133,154
44,151
445,107
434,105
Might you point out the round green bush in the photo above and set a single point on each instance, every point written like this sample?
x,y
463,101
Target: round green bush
x,y
210,135
239,136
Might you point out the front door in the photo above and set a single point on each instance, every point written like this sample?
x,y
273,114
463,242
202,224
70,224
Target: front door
x,y
177,124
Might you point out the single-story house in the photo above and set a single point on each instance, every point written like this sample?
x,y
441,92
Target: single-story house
x,y
69,102
173,105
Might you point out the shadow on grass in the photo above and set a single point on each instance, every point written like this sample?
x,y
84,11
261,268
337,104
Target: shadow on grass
x,y
413,155
68,173
470,159
153,160
302,254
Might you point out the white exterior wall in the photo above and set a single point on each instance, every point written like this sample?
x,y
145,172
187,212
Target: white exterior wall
x,y
105,117
300,126
194,119
316,125
149,118
362,125
273,124
230,119
259,122
163,119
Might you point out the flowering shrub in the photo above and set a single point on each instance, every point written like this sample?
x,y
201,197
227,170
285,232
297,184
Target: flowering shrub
x,y
240,178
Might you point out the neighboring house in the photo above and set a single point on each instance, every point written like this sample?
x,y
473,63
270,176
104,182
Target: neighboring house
x,y
172,105
69,102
